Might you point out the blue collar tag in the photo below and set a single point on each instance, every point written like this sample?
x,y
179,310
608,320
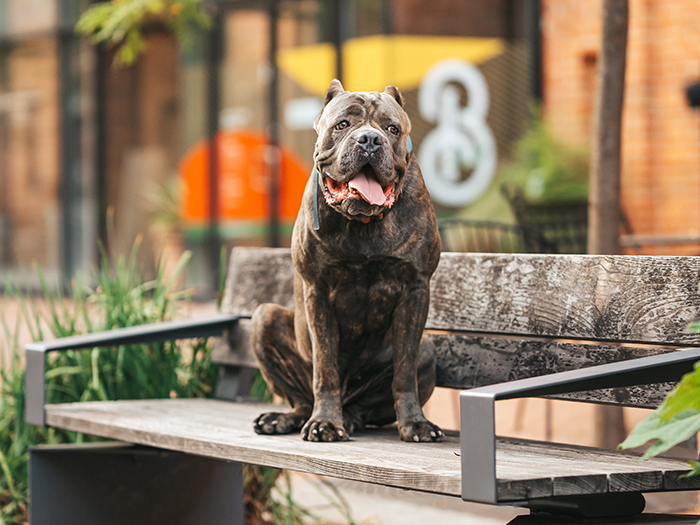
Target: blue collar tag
x,y
317,221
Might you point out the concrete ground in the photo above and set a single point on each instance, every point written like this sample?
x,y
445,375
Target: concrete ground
x,y
378,505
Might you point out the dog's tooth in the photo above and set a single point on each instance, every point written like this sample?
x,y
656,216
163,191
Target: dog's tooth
x,y
416,438
433,434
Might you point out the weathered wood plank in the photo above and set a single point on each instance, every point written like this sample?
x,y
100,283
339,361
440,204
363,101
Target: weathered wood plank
x,y
636,482
617,298
256,276
224,430
580,485
676,481
577,470
467,361
233,348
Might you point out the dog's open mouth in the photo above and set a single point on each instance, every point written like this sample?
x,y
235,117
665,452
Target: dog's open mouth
x,y
363,186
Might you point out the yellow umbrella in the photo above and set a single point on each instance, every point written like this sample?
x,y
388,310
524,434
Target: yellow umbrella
x,y
372,63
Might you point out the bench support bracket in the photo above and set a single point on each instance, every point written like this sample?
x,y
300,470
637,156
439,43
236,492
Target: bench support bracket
x,y
112,483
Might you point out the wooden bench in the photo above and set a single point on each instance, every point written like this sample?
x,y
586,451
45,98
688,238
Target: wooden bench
x,y
505,326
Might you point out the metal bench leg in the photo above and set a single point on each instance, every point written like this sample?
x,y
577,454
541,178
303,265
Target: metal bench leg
x,y
642,519
120,484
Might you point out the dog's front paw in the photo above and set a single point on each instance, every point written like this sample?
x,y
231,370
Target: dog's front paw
x,y
278,423
319,430
420,431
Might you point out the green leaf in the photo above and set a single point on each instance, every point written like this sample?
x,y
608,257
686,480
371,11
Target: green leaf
x,y
686,396
119,23
63,370
643,432
667,433
696,470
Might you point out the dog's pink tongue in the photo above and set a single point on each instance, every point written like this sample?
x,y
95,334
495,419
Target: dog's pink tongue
x,y
369,188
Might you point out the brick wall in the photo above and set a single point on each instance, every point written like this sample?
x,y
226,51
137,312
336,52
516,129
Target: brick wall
x,y
476,18
661,134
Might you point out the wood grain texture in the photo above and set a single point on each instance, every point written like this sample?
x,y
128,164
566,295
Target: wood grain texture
x,y
233,348
256,276
615,298
467,361
224,430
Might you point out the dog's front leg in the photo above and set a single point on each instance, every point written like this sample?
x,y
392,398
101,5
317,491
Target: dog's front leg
x,y
326,421
408,323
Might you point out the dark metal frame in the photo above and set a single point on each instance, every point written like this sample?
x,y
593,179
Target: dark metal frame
x,y
113,483
35,353
478,441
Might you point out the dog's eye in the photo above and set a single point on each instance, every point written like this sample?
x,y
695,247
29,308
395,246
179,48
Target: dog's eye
x,y
393,129
341,125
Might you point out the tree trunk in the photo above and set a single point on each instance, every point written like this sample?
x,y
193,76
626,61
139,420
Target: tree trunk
x,y
604,194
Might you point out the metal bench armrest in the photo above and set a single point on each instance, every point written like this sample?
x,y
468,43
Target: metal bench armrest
x,y
477,408
35,353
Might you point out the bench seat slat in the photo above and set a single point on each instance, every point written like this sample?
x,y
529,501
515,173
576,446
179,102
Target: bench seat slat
x,y
224,430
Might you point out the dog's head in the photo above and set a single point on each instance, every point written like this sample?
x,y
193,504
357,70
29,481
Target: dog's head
x,y
361,152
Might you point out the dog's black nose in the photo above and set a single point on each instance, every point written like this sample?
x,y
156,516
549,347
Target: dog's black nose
x,y
369,141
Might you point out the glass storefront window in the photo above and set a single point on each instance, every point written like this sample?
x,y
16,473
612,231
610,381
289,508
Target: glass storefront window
x,y
47,160
30,210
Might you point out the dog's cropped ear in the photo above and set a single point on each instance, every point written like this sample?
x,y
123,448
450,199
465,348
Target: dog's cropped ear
x,y
335,89
395,93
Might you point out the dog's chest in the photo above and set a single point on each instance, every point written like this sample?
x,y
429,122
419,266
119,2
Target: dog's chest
x,y
365,294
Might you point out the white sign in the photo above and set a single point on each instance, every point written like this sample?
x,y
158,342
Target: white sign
x,y
300,113
461,140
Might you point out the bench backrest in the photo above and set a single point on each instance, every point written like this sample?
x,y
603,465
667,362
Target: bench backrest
x,y
500,317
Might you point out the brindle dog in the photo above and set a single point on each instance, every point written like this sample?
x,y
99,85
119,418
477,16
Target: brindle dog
x,y
352,353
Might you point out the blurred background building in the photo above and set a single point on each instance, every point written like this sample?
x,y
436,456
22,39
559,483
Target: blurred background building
x,y
91,151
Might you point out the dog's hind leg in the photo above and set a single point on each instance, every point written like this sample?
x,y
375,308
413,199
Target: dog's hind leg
x,y
368,398
287,373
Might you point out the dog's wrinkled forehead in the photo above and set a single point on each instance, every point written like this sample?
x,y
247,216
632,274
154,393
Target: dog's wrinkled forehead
x,y
363,107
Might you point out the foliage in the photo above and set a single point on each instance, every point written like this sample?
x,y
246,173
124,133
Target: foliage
x,y
548,170
120,23
551,170
164,202
676,420
120,297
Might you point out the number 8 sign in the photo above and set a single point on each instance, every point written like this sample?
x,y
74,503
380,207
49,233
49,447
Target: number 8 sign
x,y
461,140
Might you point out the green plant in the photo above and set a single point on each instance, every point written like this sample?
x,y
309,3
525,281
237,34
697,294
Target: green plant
x,y
120,23
120,296
547,169
164,202
675,421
